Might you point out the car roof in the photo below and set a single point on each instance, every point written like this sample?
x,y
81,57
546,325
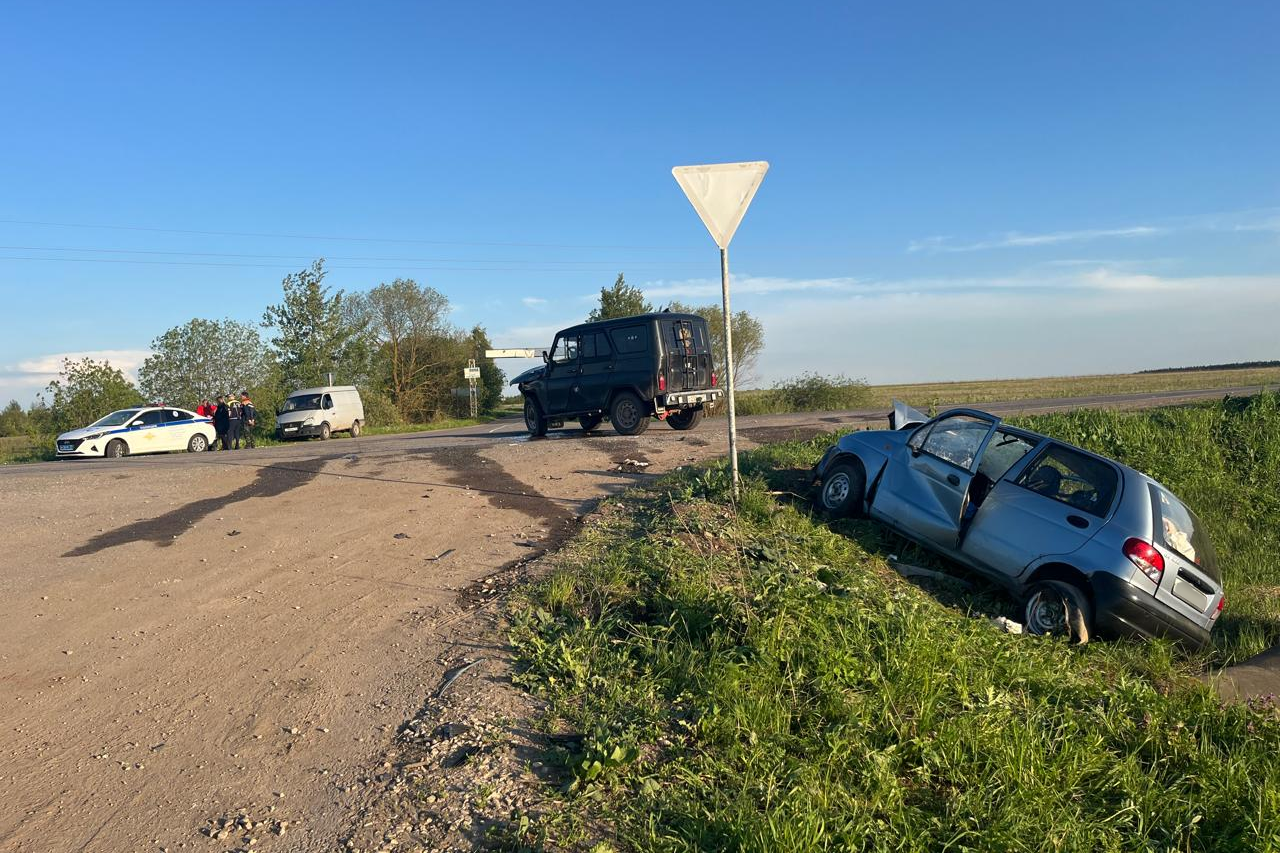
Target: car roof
x,y
632,320
322,389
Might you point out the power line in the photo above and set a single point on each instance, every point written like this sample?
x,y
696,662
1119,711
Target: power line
x,y
621,263
561,270
341,238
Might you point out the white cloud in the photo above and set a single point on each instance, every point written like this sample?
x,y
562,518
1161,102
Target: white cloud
x,y
700,288
23,380
1015,239
533,301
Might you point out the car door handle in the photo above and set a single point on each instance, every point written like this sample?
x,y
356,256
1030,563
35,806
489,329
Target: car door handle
x,y
1077,521
953,479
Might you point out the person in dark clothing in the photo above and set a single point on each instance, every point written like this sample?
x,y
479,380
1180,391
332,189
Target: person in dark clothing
x,y
221,422
248,418
233,420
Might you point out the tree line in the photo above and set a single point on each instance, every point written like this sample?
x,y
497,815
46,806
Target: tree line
x,y
394,342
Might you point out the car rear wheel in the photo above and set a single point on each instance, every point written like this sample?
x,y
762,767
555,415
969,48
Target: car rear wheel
x,y
1058,609
628,415
590,422
117,449
355,429
324,431
198,443
533,419
842,490
685,418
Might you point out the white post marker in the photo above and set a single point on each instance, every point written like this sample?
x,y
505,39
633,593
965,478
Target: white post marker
x,y
721,193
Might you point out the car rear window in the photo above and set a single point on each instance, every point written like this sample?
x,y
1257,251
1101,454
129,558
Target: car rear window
x,y
1073,478
1179,530
630,339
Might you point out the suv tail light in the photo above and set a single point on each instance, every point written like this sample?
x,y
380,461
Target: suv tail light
x,y
662,382
1146,558
713,379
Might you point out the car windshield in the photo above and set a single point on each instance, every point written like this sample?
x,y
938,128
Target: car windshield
x,y
1180,530
119,418
301,403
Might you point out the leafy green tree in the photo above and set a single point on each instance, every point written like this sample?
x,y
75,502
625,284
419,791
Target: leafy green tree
x,y
13,419
315,332
748,339
492,379
621,300
406,321
85,391
204,358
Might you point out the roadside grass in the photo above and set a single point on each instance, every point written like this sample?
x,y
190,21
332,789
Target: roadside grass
x,y
15,449
749,677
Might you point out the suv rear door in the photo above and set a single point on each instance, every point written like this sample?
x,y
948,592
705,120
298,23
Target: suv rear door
x,y
686,353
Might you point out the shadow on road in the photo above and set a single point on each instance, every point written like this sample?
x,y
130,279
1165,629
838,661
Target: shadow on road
x,y
164,529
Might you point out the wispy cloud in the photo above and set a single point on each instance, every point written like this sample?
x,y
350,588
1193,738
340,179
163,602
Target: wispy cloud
x,y
533,301
700,288
1016,239
23,380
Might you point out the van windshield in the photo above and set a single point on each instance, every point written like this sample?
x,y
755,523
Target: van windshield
x,y
301,403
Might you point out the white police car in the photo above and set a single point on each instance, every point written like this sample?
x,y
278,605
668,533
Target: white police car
x,y
146,429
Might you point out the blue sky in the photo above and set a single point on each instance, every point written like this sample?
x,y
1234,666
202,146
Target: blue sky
x,y
956,191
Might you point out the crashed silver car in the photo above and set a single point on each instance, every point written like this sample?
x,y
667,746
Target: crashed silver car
x,y
1089,546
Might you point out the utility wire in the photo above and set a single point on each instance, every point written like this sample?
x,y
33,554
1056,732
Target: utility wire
x,y
341,238
627,264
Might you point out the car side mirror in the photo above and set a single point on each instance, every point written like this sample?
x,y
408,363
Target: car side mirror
x,y
545,358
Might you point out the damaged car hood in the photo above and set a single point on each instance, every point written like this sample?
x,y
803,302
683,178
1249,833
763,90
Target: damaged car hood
x,y
529,375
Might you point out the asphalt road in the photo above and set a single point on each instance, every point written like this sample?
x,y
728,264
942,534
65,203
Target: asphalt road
x,y
760,427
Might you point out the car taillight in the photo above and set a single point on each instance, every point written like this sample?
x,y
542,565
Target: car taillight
x,y
662,382
714,378
1145,557
1222,605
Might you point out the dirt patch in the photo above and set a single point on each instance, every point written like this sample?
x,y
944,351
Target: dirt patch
x,y
770,435
164,529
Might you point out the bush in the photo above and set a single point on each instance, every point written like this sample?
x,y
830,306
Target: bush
x,y
379,410
808,392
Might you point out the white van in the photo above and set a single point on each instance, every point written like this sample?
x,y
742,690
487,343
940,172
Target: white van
x,y
320,411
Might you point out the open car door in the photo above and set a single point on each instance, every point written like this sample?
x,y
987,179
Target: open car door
x,y
926,483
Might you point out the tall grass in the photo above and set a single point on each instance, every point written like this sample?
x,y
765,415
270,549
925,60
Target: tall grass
x,y
746,677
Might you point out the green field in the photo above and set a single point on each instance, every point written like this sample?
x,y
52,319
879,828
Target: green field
x,y
749,677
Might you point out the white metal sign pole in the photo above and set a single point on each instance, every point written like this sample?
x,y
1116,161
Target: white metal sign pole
x,y
728,367
721,193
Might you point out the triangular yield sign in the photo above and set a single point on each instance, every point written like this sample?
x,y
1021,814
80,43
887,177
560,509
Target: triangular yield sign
x,y
721,193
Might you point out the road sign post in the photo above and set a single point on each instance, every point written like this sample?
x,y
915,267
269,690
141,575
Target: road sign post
x,y
471,373
721,193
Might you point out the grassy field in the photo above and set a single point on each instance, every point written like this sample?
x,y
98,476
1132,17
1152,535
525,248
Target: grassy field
x,y
984,391
749,677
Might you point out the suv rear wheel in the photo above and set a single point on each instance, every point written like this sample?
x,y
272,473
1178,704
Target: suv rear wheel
x,y
685,418
533,419
628,414
1059,609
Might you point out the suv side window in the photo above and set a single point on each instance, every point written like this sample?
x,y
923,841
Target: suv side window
x,y
565,350
630,339
595,347
956,439
1072,478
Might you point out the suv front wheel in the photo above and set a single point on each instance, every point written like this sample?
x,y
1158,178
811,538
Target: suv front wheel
x,y
533,419
628,415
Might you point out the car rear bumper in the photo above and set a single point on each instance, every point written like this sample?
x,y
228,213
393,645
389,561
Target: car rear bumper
x,y
1122,609
693,398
